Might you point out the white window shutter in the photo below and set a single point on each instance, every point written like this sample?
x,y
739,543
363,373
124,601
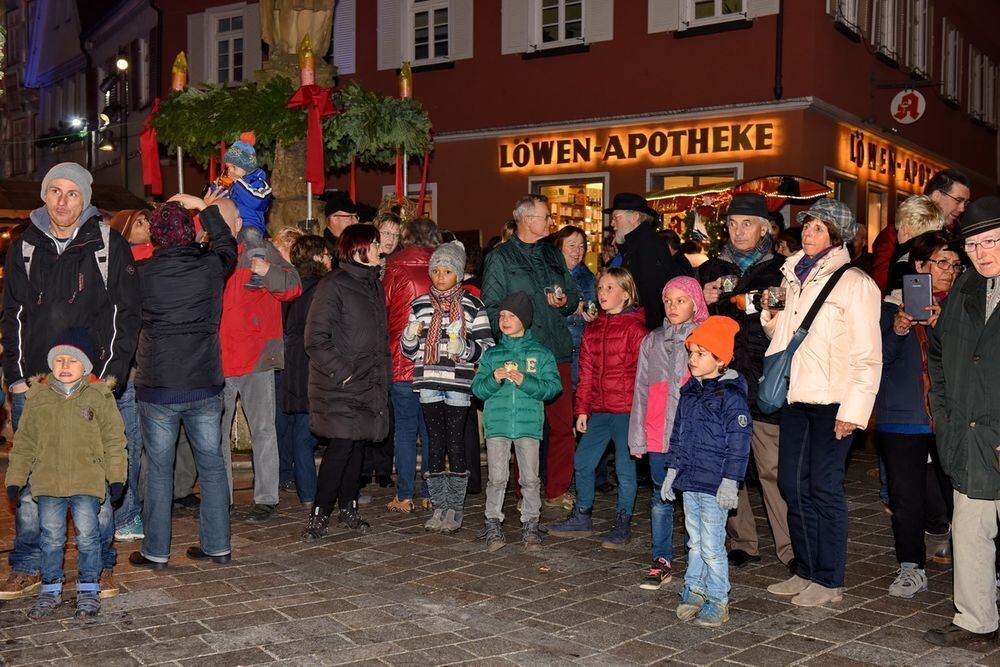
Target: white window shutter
x,y
664,15
515,25
344,22
390,32
460,28
598,20
198,48
757,8
252,55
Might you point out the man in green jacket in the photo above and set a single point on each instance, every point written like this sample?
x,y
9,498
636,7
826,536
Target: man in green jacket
x,y
525,264
964,363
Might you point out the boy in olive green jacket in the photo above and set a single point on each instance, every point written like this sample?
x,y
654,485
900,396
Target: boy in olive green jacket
x,y
71,444
514,379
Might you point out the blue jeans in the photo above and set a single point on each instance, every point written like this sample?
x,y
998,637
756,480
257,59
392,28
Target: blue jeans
x,y
459,399
601,428
131,506
409,422
661,515
811,466
52,518
708,566
26,555
301,443
282,423
203,425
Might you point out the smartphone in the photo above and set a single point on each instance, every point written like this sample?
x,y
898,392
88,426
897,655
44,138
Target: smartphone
x,y
917,296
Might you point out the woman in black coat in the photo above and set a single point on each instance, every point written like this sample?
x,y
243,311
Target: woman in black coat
x,y
313,261
350,371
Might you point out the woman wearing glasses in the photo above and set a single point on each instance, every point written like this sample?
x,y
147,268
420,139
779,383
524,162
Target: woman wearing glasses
x,y
919,491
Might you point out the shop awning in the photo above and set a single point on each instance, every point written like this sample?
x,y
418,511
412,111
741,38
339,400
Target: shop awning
x,y
778,189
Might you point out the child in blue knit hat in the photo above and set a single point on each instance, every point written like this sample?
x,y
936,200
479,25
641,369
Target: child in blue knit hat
x,y
251,193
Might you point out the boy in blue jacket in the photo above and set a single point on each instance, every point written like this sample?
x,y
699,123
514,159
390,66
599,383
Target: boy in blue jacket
x,y
251,193
707,460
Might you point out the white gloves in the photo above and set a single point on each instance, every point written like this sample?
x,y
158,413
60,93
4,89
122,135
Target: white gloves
x,y
727,495
667,491
413,329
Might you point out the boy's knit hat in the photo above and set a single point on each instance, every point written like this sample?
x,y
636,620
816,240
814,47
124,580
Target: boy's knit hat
x,y
519,303
692,288
717,334
449,255
243,155
170,225
74,342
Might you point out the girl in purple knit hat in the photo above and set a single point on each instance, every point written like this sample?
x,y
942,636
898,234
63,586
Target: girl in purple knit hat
x,y
662,371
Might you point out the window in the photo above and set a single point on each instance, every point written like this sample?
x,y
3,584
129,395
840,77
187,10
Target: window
x,y
578,200
706,12
846,13
884,28
878,210
951,61
228,30
982,87
429,30
918,33
692,177
558,23
15,37
845,187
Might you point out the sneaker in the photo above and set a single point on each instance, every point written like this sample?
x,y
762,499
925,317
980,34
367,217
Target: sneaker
x,y
261,513
909,581
288,486
48,601
319,522
352,519
690,604
109,587
620,533
565,501
659,573
953,635
493,534
579,523
712,614
530,537
19,585
401,506
131,532
88,601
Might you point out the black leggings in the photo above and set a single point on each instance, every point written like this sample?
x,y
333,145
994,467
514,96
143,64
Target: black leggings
x,y
919,492
446,432
339,476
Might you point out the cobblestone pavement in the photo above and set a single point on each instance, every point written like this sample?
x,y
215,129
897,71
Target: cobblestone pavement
x,y
400,596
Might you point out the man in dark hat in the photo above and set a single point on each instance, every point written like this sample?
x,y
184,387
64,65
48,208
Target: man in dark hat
x,y
340,211
963,361
749,255
643,253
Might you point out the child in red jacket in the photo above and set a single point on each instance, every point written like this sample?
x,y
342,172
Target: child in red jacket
x,y
608,358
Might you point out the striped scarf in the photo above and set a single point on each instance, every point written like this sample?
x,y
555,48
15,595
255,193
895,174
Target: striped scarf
x,y
452,300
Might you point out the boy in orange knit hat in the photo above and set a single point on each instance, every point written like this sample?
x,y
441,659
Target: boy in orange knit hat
x,y
707,460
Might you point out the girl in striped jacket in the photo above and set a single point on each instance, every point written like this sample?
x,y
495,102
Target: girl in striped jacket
x,y
446,334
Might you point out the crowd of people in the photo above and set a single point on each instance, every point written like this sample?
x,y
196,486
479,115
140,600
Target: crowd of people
x,y
126,346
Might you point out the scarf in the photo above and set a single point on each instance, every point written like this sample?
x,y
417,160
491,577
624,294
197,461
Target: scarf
x,y
744,260
806,264
67,389
440,301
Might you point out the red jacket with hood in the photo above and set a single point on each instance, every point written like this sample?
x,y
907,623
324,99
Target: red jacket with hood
x,y
406,278
608,359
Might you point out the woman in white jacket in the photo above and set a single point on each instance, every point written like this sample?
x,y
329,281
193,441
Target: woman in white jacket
x,y
835,375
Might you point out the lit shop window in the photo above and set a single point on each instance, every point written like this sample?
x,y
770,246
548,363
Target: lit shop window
x,y
670,179
429,19
878,209
951,61
229,48
706,12
578,202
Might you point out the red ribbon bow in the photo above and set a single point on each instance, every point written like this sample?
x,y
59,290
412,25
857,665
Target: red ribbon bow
x,y
150,150
316,101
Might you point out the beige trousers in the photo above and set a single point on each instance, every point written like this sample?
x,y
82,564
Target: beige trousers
x,y
973,528
742,527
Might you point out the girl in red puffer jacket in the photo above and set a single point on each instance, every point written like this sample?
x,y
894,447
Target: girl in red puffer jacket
x,y
608,358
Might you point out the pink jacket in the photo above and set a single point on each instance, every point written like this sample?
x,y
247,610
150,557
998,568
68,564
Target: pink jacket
x,y
661,373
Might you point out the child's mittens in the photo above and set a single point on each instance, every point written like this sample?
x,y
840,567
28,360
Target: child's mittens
x,y
412,330
728,494
117,491
667,491
13,493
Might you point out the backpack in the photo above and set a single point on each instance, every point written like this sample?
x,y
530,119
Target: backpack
x,y
28,250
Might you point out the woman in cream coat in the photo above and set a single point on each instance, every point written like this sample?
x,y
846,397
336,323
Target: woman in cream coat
x,y
835,375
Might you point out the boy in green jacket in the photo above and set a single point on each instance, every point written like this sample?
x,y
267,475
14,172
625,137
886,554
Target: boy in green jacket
x,y
515,378
71,443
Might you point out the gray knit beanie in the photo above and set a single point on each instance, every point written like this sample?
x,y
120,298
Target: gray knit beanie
x,y
450,255
71,171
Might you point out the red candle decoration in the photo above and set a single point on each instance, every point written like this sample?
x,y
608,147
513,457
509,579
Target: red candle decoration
x,y
179,73
317,103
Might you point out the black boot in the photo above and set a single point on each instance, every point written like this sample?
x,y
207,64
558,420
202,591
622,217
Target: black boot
x,y
352,519
319,521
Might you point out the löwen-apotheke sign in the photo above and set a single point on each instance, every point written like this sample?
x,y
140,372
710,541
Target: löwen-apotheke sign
x,y
616,146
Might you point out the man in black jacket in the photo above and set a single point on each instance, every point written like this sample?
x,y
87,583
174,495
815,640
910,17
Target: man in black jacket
x,y
179,374
68,269
643,253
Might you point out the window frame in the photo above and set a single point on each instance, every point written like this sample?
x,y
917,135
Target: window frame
x,y
884,17
920,37
430,6
846,13
537,44
214,39
837,176
951,68
982,87
688,19
692,170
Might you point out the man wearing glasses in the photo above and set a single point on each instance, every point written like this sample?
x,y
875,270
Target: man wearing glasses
x,y
963,361
341,212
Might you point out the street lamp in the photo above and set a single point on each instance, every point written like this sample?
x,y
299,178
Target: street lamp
x,y
107,142
76,122
121,63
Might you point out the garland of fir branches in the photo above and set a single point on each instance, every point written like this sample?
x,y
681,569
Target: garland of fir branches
x,y
367,125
